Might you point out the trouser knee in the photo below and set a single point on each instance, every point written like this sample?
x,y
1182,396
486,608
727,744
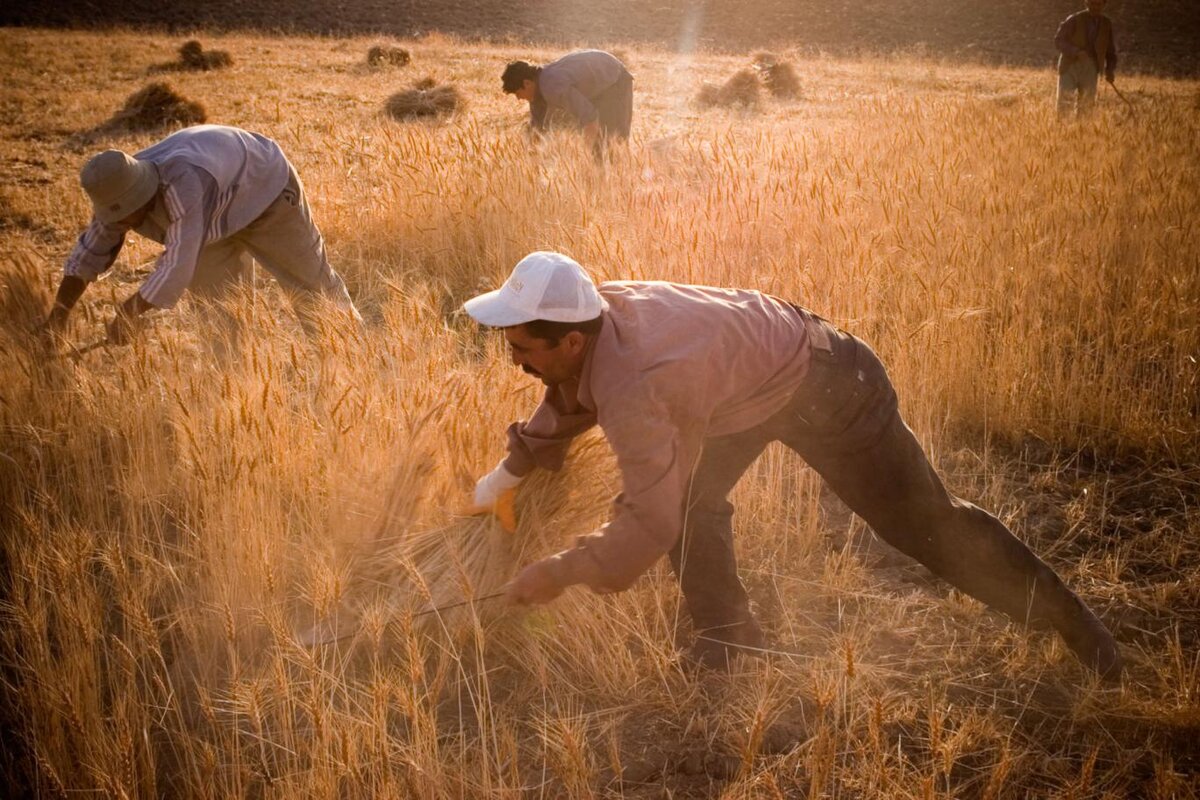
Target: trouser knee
x,y
707,537
709,517
948,538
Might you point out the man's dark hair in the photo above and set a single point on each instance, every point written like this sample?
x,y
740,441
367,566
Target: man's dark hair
x,y
516,73
553,332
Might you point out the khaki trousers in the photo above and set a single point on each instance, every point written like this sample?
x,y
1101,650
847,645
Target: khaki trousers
x,y
286,242
1077,86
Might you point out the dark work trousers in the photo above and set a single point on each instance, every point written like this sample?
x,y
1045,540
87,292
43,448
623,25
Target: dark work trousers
x,y
843,421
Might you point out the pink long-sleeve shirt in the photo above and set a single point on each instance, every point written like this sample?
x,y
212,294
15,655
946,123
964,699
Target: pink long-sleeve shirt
x,y
671,366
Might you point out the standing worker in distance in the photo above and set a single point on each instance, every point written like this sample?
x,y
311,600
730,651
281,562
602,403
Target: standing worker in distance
x,y
591,85
1086,46
214,196
689,385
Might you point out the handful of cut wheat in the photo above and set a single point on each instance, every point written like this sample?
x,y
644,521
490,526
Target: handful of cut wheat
x,y
436,577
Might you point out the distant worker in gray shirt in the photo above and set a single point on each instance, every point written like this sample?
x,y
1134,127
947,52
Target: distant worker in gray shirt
x,y
215,197
591,85
1086,46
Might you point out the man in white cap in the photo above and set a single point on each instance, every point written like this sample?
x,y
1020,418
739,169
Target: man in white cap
x,y
215,196
689,385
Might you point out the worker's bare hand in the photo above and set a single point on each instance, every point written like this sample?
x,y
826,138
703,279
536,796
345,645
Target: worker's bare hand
x,y
538,583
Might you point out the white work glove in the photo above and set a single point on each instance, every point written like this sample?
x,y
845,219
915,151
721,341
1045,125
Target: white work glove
x,y
489,488
495,494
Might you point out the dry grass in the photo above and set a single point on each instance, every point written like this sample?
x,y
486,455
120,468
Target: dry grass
x,y
778,76
388,56
192,55
743,88
425,99
168,522
156,105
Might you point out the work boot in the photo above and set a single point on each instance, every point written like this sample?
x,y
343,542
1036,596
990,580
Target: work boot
x,y
718,647
1090,641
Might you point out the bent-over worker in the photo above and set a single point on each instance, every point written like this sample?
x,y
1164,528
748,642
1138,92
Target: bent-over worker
x,y
214,196
689,385
591,85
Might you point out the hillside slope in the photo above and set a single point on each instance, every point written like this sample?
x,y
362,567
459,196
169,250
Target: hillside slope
x,y
1158,36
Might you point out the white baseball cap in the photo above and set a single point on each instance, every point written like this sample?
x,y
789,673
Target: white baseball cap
x,y
544,285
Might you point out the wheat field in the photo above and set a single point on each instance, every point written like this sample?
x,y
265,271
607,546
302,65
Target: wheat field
x,y
172,513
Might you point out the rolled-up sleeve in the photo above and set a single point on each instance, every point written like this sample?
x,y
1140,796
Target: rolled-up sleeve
x,y
543,439
184,198
95,251
655,457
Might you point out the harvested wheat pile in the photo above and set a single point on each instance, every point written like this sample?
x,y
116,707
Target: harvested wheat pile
x,y
425,99
742,89
388,56
192,55
157,105
778,76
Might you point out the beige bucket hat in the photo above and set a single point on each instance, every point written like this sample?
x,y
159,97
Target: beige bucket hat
x,y
118,184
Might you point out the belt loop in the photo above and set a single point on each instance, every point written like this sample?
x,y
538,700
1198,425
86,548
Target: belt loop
x,y
818,335
818,331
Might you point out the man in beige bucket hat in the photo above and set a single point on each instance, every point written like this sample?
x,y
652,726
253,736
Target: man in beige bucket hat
x,y
215,197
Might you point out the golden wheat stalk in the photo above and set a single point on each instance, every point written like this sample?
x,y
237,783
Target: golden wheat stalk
x,y
436,576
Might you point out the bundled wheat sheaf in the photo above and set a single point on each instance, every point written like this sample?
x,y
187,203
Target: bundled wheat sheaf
x,y
157,105
193,56
778,76
426,99
742,89
439,578
388,56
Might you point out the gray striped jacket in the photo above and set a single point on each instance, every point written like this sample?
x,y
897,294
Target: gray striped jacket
x,y
214,180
